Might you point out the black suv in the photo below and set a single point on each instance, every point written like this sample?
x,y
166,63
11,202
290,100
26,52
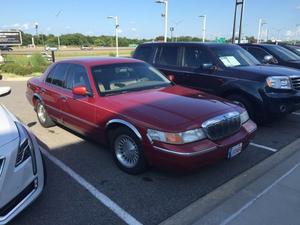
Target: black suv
x,y
273,54
294,48
230,72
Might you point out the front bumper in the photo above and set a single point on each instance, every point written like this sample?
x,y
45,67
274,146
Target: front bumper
x,y
19,186
282,103
197,154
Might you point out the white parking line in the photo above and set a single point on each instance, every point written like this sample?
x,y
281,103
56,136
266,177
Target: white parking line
x,y
121,213
296,113
247,205
264,147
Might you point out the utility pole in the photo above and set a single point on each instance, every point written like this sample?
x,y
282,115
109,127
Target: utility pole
x,y
237,4
203,28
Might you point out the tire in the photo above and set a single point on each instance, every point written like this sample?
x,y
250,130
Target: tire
x,y
245,103
131,160
43,116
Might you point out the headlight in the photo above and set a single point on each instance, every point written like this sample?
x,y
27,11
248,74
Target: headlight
x,y
176,138
25,147
279,82
244,117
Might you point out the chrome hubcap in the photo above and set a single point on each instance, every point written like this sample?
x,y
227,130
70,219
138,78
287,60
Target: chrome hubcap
x,y
41,113
126,151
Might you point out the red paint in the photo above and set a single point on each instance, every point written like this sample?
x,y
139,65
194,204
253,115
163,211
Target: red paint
x,y
171,109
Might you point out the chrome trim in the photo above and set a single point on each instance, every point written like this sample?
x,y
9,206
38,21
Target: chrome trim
x,y
2,165
20,203
129,125
220,118
186,153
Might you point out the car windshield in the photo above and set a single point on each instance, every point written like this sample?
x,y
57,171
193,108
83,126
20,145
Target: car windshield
x,y
125,77
234,56
283,53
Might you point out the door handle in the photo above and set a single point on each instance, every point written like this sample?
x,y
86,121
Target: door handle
x,y
63,98
43,90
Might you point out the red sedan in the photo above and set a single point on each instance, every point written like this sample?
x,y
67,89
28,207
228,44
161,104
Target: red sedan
x,y
145,118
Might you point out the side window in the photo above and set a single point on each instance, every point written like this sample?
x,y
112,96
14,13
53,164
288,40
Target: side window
x,y
144,53
258,53
50,75
77,76
195,57
168,56
59,74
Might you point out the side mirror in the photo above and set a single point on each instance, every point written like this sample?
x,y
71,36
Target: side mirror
x,y
209,67
4,91
80,90
270,59
171,77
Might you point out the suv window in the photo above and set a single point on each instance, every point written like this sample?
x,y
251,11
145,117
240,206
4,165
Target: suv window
x,y
195,57
168,56
59,74
144,53
258,53
77,76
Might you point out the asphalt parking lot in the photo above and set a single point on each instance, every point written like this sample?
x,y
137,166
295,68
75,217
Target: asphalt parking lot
x,y
82,174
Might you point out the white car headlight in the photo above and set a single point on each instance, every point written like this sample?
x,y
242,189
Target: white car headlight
x,y
244,117
176,138
279,82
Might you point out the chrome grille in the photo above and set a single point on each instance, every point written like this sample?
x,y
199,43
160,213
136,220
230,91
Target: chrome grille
x,y
222,126
296,82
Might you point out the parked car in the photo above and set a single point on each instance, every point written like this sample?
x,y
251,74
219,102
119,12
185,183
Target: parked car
x,y
5,48
230,72
294,48
21,166
273,54
86,47
141,115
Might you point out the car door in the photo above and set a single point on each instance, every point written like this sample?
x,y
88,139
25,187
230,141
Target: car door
x,y
198,69
53,89
79,111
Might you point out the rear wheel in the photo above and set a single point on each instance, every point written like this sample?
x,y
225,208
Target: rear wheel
x,y
127,151
43,116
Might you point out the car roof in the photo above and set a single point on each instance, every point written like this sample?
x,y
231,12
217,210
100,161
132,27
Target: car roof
x,y
207,44
97,61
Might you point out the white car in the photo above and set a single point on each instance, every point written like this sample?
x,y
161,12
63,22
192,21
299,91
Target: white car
x,y
21,165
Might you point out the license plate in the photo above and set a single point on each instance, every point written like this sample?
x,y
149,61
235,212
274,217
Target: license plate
x,y
235,150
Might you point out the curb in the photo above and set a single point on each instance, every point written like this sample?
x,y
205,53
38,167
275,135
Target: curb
x,y
203,206
16,78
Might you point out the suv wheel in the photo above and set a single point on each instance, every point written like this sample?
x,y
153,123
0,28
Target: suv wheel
x,y
43,116
127,151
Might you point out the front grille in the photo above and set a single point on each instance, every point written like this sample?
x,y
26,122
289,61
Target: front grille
x,y
296,82
1,165
222,126
13,204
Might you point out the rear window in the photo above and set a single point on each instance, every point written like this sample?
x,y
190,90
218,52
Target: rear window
x,y
167,56
144,53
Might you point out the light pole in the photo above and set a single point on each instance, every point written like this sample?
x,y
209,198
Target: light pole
x,y
36,26
172,30
296,33
261,22
203,27
116,30
58,36
165,17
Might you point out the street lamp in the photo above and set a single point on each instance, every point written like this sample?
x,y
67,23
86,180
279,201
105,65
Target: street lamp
x,y
165,16
116,30
58,36
296,33
261,22
36,26
203,27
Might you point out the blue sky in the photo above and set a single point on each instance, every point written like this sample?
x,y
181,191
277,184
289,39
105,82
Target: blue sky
x,y
141,18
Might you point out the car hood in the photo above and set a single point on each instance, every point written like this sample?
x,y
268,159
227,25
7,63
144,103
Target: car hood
x,y
8,129
294,64
263,71
173,108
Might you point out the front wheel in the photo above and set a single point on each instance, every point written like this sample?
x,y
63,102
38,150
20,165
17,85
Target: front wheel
x,y
127,151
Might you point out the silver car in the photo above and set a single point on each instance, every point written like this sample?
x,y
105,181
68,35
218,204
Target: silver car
x,y
21,165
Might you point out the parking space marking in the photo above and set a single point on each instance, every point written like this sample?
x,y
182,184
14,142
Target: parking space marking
x,y
264,147
251,202
296,113
121,213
